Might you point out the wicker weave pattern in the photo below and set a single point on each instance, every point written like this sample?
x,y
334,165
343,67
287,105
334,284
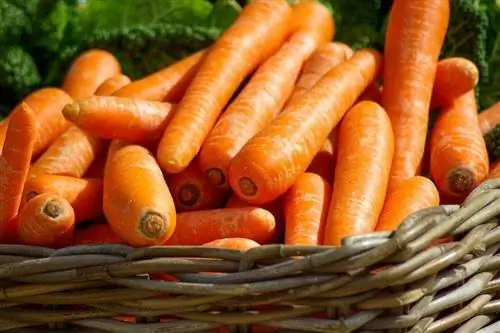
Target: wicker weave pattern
x,y
377,282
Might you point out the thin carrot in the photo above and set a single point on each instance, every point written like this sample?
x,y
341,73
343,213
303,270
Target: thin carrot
x,y
489,118
269,164
191,190
411,52
88,71
113,84
241,244
454,77
96,234
266,93
258,32
409,196
47,220
306,206
84,195
137,202
120,118
494,170
15,161
324,161
168,84
459,159
203,226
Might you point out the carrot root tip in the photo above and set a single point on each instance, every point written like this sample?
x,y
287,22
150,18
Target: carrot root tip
x,y
460,180
152,225
247,186
52,209
216,176
189,194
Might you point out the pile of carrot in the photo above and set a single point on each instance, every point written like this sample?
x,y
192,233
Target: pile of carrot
x,y
274,134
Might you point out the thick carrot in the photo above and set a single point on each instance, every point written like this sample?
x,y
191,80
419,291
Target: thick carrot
x,y
242,244
411,52
168,84
137,202
489,118
266,93
365,150
454,77
319,63
84,195
15,160
269,164
494,170
191,190
306,207
258,32
407,197
459,159
88,71
47,220
120,118
100,233
203,226
324,161
113,84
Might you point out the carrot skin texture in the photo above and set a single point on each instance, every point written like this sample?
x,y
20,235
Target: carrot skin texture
x,y
96,234
489,118
409,196
112,84
241,244
324,161
459,159
269,164
258,32
365,150
412,48
136,201
88,71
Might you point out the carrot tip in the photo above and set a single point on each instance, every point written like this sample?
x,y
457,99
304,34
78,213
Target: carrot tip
x,y
247,186
216,176
71,111
461,180
152,225
189,194
52,209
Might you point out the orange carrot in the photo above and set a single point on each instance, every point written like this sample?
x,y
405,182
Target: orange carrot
x,y
88,71
120,118
306,206
257,33
459,159
241,244
84,195
137,202
411,52
15,161
489,118
47,220
112,84
409,196
365,150
266,93
494,170
4,124
323,163
168,84
96,234
269,164
203,226
454,77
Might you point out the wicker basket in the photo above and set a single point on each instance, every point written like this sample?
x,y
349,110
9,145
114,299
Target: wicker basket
x,y
380,282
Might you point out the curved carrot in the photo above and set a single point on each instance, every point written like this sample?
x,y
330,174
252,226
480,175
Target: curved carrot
x,y
365,150
168,84
47,220
266,93
306,206
200,227
137,202
489,118
494,170
191,190
272,160
120,118
88,71
258,32
459,159
241,244
84,195
409,196
415,34
15,161
112,84
323,163
96,234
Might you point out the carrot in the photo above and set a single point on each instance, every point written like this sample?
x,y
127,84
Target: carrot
x,y
459,159
257,33
373,93
137,202
319,63
120,118
269,164
96,234
168,84
324,161
15,161
306,206
47,220
266,93
112,85
241,244
4,124
88,71
409,196
489,118
84,195
454,77
412,48
203,226
191,190
494,170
